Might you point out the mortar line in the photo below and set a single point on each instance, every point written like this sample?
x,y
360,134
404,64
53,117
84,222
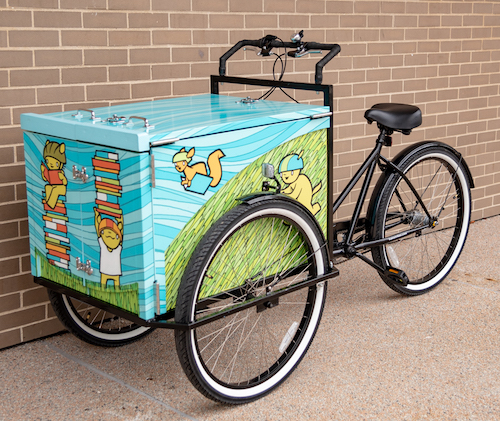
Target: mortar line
x,y
117,380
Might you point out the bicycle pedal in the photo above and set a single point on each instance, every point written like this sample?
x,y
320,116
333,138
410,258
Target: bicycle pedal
x,y
397,275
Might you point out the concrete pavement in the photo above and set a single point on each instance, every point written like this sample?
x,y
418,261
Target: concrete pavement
x,y
377,356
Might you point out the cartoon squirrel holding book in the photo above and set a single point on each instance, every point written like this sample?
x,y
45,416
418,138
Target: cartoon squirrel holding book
x,y
182,159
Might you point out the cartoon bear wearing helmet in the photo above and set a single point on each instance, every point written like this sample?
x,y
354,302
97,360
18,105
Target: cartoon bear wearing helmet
x,y
299,187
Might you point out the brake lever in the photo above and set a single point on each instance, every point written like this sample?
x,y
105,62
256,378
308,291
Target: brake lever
x,y
257,51
303,53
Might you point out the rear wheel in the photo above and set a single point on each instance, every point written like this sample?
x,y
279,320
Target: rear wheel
x,y
94,325
250,252
427,255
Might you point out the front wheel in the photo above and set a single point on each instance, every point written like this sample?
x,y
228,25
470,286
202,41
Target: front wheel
x,y
251,251
94,325
430,252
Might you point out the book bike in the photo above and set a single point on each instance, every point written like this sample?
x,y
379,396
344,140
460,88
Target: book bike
x,y
130,233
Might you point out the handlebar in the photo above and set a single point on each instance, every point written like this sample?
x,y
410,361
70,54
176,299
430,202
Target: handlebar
x,y
269,42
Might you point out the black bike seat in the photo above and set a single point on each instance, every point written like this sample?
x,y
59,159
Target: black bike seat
x,y
395,116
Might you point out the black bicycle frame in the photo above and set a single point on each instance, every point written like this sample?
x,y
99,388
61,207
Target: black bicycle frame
x,y
327,91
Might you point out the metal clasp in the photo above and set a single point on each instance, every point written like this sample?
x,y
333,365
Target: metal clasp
x,y
84,267
92,114
146,122
80,174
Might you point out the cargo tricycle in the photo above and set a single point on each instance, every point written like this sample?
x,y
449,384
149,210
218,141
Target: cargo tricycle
x,y
214,216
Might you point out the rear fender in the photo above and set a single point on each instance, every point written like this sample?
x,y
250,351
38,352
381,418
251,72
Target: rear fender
x,y
398,160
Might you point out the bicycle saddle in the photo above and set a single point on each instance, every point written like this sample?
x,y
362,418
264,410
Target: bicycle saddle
x,y
395,116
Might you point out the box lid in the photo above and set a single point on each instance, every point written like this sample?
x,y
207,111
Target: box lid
x,y
165,120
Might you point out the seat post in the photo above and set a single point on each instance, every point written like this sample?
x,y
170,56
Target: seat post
x,y
385,135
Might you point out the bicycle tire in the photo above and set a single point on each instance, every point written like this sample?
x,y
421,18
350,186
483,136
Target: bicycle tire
x,y
93,325
218,364
427,256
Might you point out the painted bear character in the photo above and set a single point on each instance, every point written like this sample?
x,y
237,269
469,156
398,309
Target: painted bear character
x,y
299,187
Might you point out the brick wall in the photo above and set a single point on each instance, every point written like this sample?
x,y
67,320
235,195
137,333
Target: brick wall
x,y
58,55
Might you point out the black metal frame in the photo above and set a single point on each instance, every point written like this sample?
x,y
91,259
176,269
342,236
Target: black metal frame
x,y
327,91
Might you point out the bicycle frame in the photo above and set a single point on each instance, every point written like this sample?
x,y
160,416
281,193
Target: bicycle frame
x,y
349,247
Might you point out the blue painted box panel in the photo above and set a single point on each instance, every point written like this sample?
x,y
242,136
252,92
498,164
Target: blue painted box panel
x,y
132,233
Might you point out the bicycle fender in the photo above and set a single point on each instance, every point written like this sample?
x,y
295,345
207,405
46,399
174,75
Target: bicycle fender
x,y
417,147
414,148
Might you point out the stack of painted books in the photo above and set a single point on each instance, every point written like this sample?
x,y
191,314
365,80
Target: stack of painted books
x,y
107,184
56,233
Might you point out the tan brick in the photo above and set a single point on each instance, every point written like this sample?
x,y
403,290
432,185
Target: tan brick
x,y
310,6
84,75
190,87
83,4
16,283
41,329
57,19
34,77
340,6
406,47
15,19
148,20
10,97
380,21
325,21
16,59
379,48
172,5
5,120
366,35
392,34
32,38
84,38
365,88
172,37
60,94
353,21
206,37
58,58
149,55
35,296
103,20
285,6
171,71
227,21
6,155
188,20
12,301
189,54
122,38
129,4
260,21
406,21
105,57
108,92
34,109
126,73
10,338
22,317
390,87
14,247
36,4
246,6
210,6
151,90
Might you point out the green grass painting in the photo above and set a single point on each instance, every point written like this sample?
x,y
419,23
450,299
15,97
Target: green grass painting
x,y
314,155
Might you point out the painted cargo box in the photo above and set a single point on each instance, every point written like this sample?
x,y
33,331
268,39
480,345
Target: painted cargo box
x,y
119,197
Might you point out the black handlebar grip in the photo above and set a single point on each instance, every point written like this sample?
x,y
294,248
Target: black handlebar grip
x,y
232,50
318,77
